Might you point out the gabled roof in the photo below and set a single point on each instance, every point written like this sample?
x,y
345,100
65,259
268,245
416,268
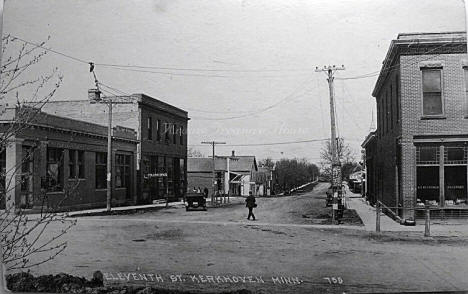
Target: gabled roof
x,y
237,164
370,137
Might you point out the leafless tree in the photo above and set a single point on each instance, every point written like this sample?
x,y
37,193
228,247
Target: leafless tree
x,y
27,240
344,154
192,152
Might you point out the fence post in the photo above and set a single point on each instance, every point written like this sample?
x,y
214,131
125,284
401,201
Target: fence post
x,y
427,225
377,216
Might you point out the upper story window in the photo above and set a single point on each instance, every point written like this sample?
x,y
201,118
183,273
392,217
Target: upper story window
x,y
158,130
174,134
181,135
432,91
149,128
397,97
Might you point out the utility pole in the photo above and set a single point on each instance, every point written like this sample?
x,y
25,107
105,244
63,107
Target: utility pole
x,y
213,144
95,97
336,168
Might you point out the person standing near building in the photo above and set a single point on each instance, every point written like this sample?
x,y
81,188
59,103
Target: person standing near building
x,y
250,204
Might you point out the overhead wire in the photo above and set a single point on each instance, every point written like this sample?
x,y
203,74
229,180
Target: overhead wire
x,y
201,69
265,144
291,95
50,50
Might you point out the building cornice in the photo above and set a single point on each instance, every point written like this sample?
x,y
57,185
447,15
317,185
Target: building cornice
x,y
431,44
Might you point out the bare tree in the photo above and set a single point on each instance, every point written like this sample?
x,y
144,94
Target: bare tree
x,y
27,240
268,162
344,155
192,152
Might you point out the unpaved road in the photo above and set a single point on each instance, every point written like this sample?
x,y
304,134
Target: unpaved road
x,y
208,249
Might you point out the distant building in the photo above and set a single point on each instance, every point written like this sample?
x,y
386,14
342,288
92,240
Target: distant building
x,y
369,161
264,181
61,163
241,173
161,134
419,153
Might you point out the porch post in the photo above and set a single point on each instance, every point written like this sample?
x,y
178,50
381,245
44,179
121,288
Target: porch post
x,y
13,172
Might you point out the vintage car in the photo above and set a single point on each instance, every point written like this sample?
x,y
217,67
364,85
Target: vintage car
x,y
194,197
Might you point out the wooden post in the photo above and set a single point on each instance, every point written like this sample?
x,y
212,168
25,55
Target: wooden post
x,y
377,217
427,225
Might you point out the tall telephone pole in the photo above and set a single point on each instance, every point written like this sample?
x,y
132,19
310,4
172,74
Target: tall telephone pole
x,y
213,144
336,169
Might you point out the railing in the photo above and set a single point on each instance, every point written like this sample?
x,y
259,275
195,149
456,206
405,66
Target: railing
x,y
426,209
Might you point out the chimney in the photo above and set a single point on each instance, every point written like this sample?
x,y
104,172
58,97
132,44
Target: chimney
x,y
233,153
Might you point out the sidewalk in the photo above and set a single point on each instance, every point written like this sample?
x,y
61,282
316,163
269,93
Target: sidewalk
x,y
438,228
160,205
125,208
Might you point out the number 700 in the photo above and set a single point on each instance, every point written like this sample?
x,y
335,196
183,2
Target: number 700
x,y
334,280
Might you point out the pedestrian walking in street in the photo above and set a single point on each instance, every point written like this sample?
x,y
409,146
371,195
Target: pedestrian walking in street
x,y
205,192
250,204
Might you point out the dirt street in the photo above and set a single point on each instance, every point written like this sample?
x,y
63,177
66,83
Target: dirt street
x,y
284,251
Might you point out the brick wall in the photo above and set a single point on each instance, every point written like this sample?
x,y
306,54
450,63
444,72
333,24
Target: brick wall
x,y
388,132
452,123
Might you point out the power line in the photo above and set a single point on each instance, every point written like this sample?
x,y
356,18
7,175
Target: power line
x,y
268,144
50,50
260,110
202,69
224,118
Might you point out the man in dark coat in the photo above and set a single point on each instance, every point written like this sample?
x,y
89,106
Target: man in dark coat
x,y
250,204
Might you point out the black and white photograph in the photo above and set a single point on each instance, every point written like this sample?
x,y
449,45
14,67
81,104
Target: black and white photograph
x,y
233,146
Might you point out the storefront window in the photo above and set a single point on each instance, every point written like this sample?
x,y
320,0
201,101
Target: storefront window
x,y
170,176
428,185
182,176
101,170
455,185
455,155
76,164
427,155
122,171
54,169
455,175
162,181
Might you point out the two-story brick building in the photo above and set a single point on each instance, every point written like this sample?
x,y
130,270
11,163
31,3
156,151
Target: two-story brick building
x,y
161,134
420,153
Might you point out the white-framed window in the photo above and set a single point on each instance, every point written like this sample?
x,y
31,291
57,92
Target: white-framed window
x,y
432,100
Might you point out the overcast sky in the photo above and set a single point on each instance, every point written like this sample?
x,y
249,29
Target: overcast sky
x,y
228,58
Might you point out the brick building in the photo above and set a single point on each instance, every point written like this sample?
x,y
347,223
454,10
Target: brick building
x,y
162,140
420,149
57,162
